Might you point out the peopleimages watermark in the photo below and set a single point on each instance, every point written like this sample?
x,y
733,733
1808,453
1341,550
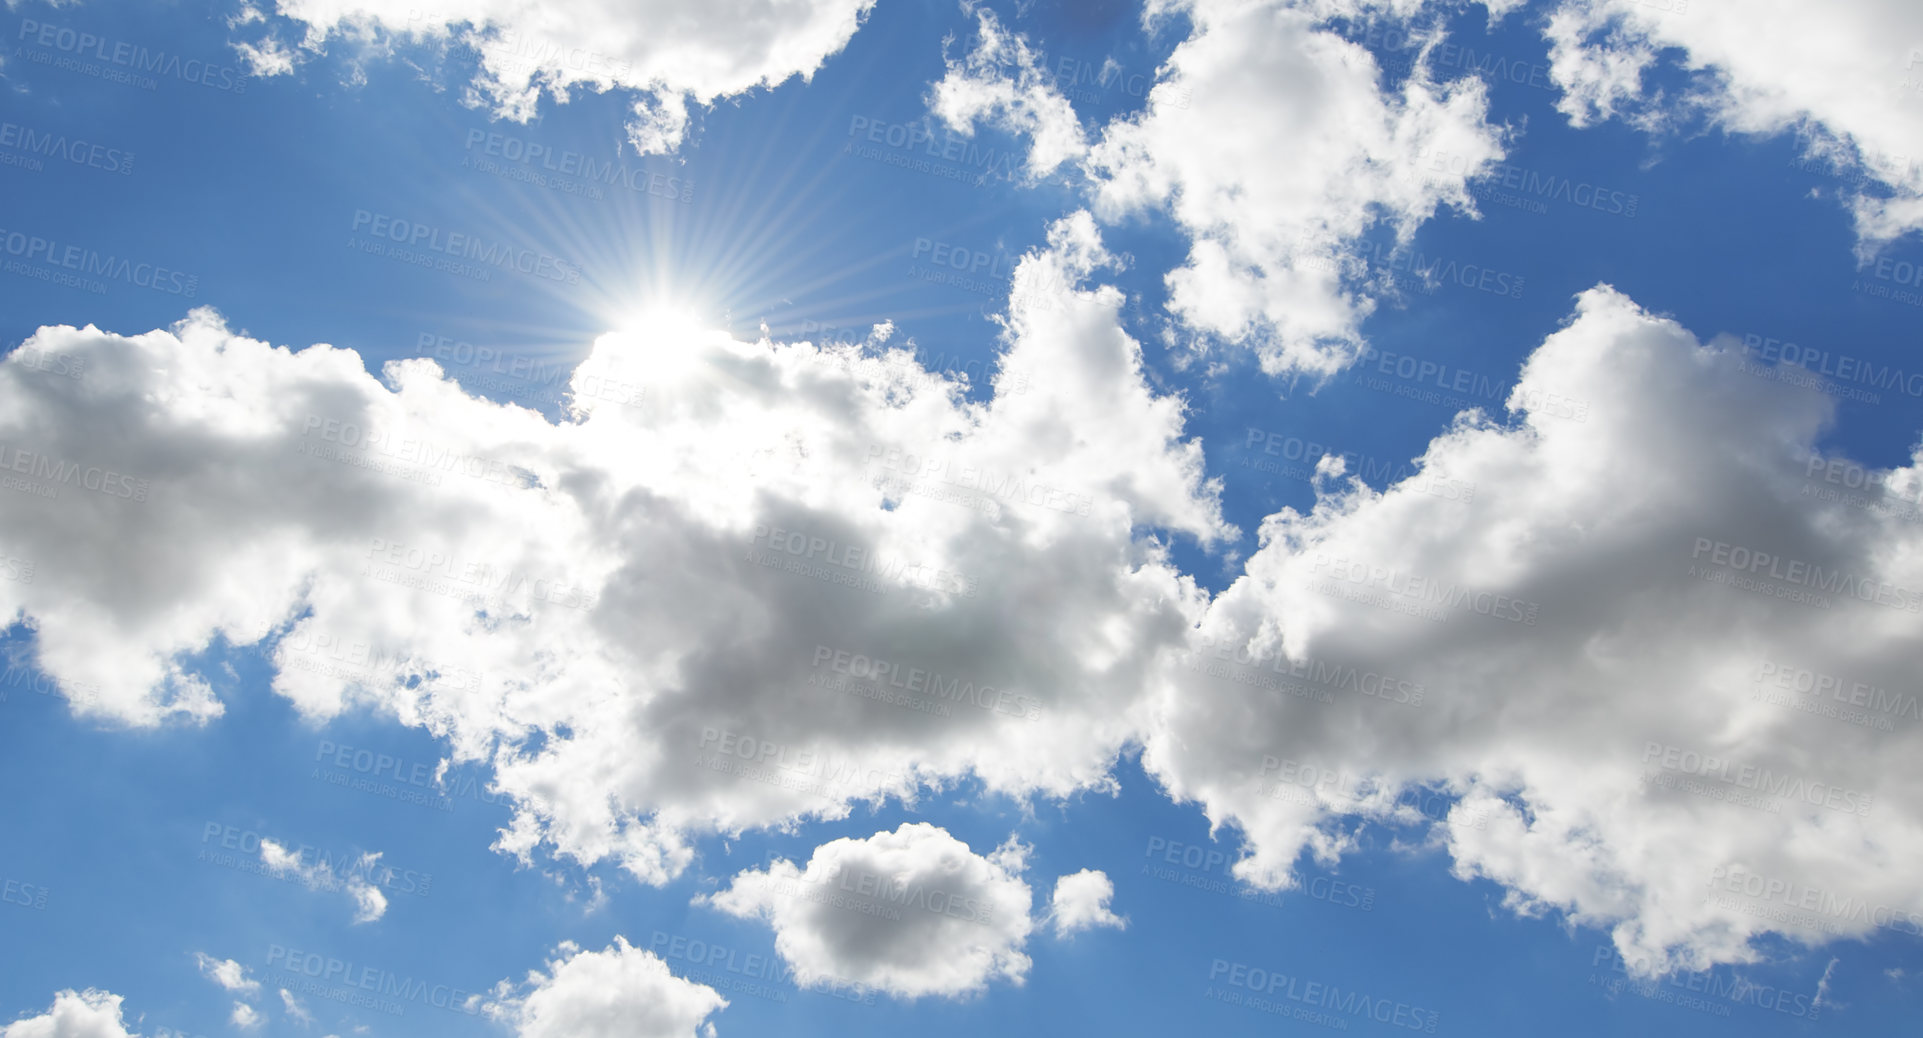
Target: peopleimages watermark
x,y
88,269
465,254
1899,499
1405,592
1328,788
83,693
444,572
1893,279
33,147
849,565
884,896
24,894
1745,565
566,171
69,365
1208,869
751,974
807,771
339,868
1812,687
1435,382
46,474
1520,187
975,486
395,778
1309,678
1751,778
903,144
314,651
1314,1001
419,460
117,60
1703,992
1084,81
504,371
370,987
1795,902
959,266
1838,374
15,570
1420,272
915,687
1448,54
1309,453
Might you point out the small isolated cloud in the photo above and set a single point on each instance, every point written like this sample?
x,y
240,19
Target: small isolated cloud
x,y
1081,903
1002,82
913,912
369,903
296,1009
229,974
246,1017
74,1014
618,992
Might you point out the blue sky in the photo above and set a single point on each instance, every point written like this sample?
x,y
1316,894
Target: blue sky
x,y
779,210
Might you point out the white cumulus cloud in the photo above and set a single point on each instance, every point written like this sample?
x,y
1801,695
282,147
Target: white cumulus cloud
x,y
74,1014
1275,145
912,912
619,991
1081,902
1617,653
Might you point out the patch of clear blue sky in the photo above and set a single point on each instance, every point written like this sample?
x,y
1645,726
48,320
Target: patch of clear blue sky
x,y
255,194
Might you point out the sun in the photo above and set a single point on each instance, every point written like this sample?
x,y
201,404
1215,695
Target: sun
x,y
676,320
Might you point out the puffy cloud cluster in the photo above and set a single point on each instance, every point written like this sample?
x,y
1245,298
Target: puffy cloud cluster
x,y
1659,663
620,990
793,579
665,51
1275,145
913,912
775,584
1847,78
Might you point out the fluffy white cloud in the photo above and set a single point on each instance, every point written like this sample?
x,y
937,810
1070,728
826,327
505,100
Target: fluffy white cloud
x,y
74,1014
913,912
666,51
1847,78
1273,143
772,584
230,975
246,1017
1599,652
1081,903
369,903
1001,81
618,991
